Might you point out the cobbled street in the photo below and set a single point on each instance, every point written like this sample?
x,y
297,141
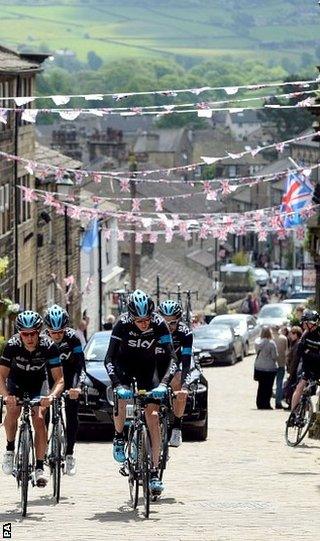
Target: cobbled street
x,y
242,484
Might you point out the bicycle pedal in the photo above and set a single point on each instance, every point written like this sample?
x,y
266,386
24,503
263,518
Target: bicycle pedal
x,y
124,472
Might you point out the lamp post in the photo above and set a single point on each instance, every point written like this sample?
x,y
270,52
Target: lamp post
x,y
64,188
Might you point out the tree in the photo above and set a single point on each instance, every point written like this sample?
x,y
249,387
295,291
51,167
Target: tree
x,y
94,61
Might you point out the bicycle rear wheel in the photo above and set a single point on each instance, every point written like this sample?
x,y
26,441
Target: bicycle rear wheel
x,y
24,454
299,422
164,447
145,469
133,480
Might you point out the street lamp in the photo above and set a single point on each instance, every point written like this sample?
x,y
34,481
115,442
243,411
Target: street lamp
x,y
64,188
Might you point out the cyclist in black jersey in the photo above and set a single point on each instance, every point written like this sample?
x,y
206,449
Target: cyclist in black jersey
x,y
182,342
72,358
23,369
308,352
138,338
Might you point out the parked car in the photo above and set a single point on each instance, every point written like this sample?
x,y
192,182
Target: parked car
x,y
275,314
244,325
99,411
214,344
303,294
261,276
294,302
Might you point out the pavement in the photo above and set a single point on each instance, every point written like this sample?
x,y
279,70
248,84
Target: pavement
x,y
242,484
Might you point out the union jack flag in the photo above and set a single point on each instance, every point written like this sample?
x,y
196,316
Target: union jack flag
x,y
297,196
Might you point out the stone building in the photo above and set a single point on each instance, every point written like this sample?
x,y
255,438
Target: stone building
x,y
17,238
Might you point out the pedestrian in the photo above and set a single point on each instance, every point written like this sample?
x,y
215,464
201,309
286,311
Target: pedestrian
x,y
109,323
247,305
281,342
293,361
283,288
265,367
264,297
81,330
296,316
255,304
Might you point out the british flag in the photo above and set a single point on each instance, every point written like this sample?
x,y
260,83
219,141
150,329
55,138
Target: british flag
x,y
297,196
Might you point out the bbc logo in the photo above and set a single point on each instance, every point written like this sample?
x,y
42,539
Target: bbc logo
x,y
6,531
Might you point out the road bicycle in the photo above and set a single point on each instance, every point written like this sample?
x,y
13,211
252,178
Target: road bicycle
x,y
57,446
24,459
301,417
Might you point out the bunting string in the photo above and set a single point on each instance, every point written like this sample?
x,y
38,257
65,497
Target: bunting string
x,y
45,169
117,96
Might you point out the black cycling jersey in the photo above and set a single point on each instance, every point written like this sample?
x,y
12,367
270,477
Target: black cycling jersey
x,y
182,339
309,353
28,369
72,358
133,353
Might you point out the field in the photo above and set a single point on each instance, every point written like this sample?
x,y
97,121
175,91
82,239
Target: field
x,y
129,28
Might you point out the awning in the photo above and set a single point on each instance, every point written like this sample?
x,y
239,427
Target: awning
x,y
113,274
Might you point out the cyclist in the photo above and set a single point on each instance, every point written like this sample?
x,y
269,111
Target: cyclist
x,y
182,342
308,352
56,320
23,370
138,338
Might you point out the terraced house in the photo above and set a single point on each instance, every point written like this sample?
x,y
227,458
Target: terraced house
x,y
20,220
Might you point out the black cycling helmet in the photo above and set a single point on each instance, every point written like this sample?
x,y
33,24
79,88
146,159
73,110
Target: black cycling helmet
x,y
28,320
170,308
56,318
140,304
310,316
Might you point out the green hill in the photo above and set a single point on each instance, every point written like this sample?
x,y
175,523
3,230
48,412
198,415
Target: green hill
x,y
203,29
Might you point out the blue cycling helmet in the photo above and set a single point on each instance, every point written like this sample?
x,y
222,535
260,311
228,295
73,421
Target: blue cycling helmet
x,y
28,320
140,304
170,308
56,318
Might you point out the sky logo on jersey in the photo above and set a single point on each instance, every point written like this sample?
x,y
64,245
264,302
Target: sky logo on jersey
x,y
141,343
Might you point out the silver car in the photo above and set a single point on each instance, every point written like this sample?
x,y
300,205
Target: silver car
x,y
275,314
244,325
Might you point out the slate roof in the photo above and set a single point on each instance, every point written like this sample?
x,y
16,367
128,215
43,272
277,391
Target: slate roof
x,y
172,272
162,140
44,154
11,61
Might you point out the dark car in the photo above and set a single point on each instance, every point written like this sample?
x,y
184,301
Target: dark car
x,y
98,411
244,325
217,344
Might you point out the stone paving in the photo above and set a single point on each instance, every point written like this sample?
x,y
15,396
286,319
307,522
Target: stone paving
x,y
242,484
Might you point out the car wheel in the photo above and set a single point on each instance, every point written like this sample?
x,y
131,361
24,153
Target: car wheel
x,y
233,358
247,349
201,433
240,358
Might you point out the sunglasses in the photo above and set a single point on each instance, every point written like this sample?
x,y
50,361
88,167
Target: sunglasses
x,y
26,334
56,332
142,319
173,323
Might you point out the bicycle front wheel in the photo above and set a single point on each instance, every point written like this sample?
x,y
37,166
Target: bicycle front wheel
x,y
164,447
24,453
132,454
56,460
299,422
145,469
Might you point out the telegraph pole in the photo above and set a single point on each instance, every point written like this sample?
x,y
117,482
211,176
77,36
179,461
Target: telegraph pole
x,y
133,261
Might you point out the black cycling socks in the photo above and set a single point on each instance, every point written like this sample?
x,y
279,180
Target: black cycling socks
x,y
10,445
39,464
177,422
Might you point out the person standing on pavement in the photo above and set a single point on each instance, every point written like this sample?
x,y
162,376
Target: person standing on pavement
x,y
293,360
265,367
281,342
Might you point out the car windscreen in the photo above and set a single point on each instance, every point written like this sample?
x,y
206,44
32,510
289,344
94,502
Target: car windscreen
x,y
97,347
275,311
213,332
234,322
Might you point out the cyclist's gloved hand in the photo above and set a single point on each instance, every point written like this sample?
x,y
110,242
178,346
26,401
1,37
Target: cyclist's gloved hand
x,y
160,391
124,393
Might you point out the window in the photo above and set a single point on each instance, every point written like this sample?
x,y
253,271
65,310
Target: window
x,y
50,294
24,211
5,91
5,225
232,171
26,295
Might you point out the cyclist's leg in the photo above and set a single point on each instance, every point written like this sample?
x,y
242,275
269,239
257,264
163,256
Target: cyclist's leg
x,y
72,423
119,421
181,396
10,425
152,419
298,393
